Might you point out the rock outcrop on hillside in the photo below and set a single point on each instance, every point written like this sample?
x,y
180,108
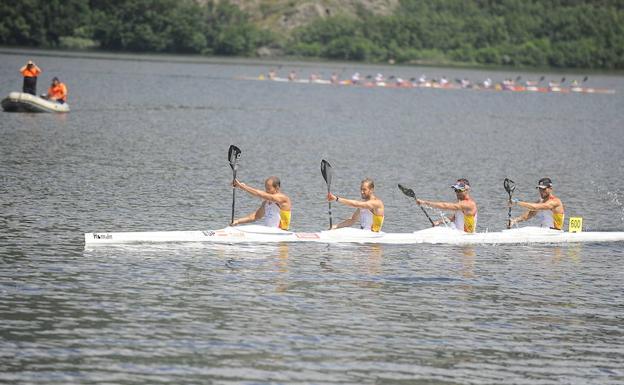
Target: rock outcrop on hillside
x,y
285,15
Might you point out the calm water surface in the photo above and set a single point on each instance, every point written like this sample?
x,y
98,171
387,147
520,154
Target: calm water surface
x,y
145,147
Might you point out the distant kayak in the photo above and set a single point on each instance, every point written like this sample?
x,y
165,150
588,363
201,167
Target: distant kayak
x,y
438,85
22,102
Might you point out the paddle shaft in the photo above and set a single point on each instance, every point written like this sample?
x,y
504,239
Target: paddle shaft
x,y
330,213
427,215
410,193
233,194
233,156
509,213
326,171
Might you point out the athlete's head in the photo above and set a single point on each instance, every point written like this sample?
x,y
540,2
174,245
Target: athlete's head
x,y
461,187
367,188
544,186
272,184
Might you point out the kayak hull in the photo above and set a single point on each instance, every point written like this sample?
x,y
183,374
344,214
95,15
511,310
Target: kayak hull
x,y
436,235
23,102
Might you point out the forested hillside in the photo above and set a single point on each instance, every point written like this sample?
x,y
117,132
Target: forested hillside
x,y
557,33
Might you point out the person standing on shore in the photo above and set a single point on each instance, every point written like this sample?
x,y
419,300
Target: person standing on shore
x,y
30,72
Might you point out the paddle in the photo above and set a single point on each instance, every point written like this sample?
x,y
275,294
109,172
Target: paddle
x,y
410,193
234,154
326,170
510,186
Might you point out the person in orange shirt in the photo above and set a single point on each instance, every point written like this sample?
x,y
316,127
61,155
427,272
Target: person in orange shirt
x,y
30,72
57,91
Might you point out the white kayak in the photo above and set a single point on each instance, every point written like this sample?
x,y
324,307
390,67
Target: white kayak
x,y
435,235
23,102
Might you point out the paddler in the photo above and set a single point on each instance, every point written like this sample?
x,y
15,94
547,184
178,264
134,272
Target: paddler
x,y
464,210
369,211
57,91
549,209
30,72
275,208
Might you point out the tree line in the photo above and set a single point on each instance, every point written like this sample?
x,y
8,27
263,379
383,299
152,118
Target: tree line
x,y
556,33
176,26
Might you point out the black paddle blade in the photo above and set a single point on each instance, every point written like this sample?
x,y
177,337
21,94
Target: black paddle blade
x,y
407,191
509,185
234,154
326,170
585,79
542,79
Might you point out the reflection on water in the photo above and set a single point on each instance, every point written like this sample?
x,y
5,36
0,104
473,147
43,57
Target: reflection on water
x,y
572,253
374,254
468,261
282,268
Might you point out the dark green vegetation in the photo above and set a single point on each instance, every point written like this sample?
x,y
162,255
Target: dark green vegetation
x,y
557,33
179,26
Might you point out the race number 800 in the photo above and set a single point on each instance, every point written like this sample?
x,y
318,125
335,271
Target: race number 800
x,y
575,225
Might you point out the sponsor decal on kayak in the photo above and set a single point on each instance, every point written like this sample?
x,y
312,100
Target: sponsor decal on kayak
x,y
102,236
221,233
307,235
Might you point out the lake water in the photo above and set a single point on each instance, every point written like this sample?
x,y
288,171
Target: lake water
x,y
145,148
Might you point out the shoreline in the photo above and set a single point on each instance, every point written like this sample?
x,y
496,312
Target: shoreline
x,y
283,61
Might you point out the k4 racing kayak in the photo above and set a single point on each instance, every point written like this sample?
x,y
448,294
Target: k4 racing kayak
x,y
434,235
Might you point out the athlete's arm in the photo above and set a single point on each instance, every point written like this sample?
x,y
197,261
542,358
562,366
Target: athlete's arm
x,y
278,198
369,205
524,217
348,222
440,205
258,214
548,205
